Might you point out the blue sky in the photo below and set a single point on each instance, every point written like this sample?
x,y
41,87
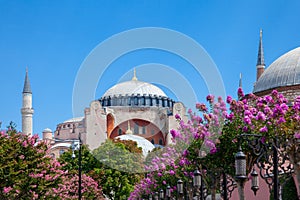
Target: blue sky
x,y
53,38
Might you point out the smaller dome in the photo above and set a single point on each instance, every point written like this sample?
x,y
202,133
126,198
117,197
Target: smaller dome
x,y
141,142
285,71
64,144
47,130
77,119
134,87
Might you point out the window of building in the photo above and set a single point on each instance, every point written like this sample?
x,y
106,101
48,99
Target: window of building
x,y
143,102
152,132
136,102
120,131
136,129
144,129
152,141
160,142
61,151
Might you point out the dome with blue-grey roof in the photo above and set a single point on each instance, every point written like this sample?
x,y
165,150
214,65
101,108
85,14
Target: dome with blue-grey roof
x,y
285,71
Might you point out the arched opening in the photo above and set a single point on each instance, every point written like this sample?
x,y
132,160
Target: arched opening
x,y
141,128
110,122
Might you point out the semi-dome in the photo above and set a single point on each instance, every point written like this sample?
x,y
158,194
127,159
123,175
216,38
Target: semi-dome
x,y
134,87
285,71
141,142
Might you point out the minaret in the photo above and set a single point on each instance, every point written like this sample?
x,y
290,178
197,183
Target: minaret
x,y
240,81
27,110
260,66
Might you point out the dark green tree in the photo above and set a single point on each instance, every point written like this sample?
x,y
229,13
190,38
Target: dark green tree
x,y
122,166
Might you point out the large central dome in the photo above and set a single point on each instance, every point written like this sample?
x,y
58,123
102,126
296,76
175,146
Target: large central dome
x,y
285,71
134,87
135,93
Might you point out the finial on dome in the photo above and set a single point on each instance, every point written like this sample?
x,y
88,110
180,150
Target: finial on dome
x,y
134,78
128,132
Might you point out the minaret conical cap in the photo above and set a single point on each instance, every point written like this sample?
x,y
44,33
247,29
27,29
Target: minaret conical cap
x,y
260,57
27,88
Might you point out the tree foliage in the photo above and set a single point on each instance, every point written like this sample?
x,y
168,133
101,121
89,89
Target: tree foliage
x,y
121,165
27,172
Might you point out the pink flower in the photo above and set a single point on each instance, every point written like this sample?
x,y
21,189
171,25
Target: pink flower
x,y
177,116
210,98
263,129
297,135
172,172
202,107
174,133
274,93
229,99
247,120
260,116
213,150
7,189
245,129
240,92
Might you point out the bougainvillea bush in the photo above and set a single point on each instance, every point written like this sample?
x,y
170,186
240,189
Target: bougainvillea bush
x,y
211,139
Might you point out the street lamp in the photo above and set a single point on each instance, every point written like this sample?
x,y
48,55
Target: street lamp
x,y
179,188
73,156
156,196
240,165
254,181
197,179
161,194
79,168
268,161
168,192
79,164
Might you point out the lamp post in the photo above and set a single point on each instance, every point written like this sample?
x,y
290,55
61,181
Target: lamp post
x,y
79,167
180,188
197,183
161,194
73,156
267,161
168,192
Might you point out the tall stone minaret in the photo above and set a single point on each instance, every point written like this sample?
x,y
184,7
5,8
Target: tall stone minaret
x,y
27,110
260,66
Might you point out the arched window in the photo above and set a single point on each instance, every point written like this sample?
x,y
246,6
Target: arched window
x,y
152,132
110,123
136,101
136,129
120,131
152,141
160,142
61,151
144,129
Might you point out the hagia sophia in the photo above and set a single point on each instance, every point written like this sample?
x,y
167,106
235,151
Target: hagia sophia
x,y
142,109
